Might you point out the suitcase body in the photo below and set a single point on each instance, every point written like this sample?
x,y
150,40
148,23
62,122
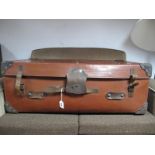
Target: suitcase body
x,y
69,86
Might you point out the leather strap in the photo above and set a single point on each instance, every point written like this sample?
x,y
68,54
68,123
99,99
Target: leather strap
x,y
54,90
57,89
19,87
76,76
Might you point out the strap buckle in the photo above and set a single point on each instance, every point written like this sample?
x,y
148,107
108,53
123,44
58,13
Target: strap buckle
x,y
132,82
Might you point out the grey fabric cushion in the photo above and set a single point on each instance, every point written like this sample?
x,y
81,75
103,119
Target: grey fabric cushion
x,y
38,124
78,53
151,97
117,124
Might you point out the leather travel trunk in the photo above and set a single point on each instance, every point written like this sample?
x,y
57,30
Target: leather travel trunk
x,y
76,86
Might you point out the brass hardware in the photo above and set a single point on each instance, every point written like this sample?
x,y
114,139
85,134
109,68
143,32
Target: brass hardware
x,y
115,96
132,82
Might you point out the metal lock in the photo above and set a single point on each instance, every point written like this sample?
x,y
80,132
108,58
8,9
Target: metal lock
x,y
76,81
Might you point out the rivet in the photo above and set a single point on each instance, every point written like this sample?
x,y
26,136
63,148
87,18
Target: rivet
x,y
29,94
109,95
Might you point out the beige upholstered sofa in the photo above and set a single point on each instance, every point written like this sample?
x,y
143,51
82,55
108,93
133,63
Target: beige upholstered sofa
x,y
26,123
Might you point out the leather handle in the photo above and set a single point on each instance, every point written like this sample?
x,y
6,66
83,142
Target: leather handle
x,y
55,90
76,84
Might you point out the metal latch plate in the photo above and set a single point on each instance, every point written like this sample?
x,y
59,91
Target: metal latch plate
x,y
115,96
76,81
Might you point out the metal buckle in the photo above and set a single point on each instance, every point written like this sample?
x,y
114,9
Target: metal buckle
x,y
132,82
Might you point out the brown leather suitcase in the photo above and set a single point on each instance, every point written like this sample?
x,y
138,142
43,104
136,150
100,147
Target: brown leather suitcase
x,y
76,86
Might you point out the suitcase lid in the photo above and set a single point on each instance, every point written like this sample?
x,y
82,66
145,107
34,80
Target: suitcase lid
x,y
101,69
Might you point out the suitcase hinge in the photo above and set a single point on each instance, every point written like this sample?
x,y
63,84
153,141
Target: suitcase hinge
x,y
132,82
19,86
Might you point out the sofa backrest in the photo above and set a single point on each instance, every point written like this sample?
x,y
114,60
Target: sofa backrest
x,y
78,53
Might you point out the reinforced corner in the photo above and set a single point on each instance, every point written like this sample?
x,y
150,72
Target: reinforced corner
x,y
142,110
147,68
9,108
